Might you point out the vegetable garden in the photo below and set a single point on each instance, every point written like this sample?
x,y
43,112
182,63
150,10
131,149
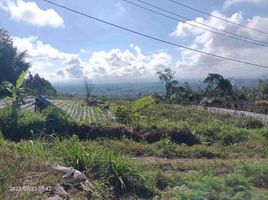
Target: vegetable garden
x,y
76,109
83,113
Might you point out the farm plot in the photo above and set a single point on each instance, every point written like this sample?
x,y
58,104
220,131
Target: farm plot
x,y
28,103
84,114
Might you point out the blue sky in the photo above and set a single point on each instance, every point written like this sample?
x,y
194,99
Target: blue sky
x,y
65,46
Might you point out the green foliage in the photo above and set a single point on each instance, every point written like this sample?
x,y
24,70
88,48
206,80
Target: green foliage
x,y
143,103
21,124
73,153
12,63
161,180
233,186
1,135
217,86
16,92
262,88
20,80
56,121
123,114
167,77
180,133
257,173
249,123
122,173
217,131
37,85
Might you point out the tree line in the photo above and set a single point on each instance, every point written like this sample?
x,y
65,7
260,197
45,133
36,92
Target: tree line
x,y
216,89
13,64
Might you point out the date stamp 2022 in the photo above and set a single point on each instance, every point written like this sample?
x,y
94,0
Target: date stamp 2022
x,y
30,188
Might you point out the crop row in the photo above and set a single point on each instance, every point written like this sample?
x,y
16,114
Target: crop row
x,y
85,114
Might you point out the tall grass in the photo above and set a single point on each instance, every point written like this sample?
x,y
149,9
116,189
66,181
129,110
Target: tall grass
x,y
121,172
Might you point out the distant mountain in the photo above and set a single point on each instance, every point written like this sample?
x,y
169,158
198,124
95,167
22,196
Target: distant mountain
x,y
135,90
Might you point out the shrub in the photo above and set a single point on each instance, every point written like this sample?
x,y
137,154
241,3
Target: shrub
x,y
123,114
237,180
93,132
180,133
161,180
234,135
143,103
264,132
20,124
57,121
218,132
209,132
153,135
248,123
257,173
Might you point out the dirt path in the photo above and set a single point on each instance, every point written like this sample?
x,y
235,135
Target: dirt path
x,y
258,116
157,160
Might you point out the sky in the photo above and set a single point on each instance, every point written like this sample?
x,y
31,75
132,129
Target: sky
x,y
63,46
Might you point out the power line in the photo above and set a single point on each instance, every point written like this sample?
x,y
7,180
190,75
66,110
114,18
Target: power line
x,y
152,37
186,18
178,20
208,14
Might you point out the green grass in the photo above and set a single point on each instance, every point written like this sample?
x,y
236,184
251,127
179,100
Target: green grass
x,y
226,161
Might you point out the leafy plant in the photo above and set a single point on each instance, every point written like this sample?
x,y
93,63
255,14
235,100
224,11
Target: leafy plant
x,y
143,103
16,91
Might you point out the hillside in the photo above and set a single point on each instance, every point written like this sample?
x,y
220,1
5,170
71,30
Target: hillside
x,y
171,152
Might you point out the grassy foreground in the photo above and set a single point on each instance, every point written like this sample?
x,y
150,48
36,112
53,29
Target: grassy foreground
x,y
120,174
227,158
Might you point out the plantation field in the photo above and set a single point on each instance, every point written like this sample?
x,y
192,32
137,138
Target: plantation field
x,y
76,109
163,151
83,113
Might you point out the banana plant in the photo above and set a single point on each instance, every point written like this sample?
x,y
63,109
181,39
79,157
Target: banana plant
x,y
17,91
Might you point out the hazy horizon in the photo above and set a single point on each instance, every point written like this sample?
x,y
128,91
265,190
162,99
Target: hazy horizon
x,y
62,45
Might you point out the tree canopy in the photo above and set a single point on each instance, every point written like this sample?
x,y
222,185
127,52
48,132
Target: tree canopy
x,y
167,77
37,85
12,63
218,86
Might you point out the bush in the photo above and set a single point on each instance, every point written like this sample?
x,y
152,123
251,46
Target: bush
x,y
57,121
20,124
234,135
209,132
153,135
180,133
257,173
217,132
123,114
264,132
143,103
249,123
161,180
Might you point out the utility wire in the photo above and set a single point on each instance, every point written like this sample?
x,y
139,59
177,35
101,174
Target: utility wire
x,y
186,22
186,18
152,37
208,14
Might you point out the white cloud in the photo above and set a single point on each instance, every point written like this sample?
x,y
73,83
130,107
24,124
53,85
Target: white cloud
x,y
29,12
113,65
229,3
193,64
118,65
46,59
